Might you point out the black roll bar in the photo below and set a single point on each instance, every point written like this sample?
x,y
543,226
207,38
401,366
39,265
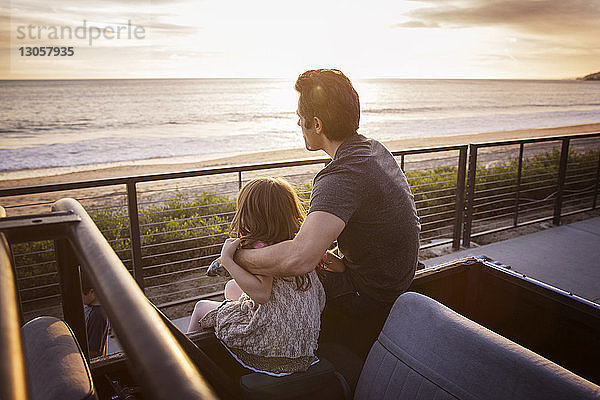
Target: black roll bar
x,y
163,369
13,382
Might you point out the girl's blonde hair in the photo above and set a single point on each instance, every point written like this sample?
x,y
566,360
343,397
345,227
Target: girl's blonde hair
x,y
269,210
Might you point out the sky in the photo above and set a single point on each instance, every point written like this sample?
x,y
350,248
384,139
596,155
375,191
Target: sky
x,y
505,39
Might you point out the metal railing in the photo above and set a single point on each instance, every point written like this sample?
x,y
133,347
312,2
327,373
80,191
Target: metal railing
x,y
167,241
527,190
169,263
162,367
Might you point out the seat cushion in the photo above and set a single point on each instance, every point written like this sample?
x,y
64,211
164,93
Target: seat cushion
x,y
56,367
320,381
428,351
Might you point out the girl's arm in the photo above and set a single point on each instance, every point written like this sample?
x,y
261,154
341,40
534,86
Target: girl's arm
x,y
258,287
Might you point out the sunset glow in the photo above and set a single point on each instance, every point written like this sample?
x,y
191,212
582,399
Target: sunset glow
x,y
269,38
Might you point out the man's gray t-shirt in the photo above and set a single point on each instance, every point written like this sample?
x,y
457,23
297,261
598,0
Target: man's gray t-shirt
x,y
364,186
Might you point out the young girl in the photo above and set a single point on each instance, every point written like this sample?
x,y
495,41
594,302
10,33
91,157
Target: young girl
x,y
268,324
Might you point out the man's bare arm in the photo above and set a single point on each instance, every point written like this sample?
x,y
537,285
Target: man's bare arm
x,y
298,256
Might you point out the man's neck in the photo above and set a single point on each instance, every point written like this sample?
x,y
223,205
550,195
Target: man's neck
x,y
330,147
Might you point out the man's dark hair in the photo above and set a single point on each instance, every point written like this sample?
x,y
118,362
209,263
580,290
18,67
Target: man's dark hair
x,y
329,95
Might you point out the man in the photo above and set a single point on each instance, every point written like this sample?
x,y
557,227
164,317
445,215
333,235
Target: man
x,y
361,199
96,321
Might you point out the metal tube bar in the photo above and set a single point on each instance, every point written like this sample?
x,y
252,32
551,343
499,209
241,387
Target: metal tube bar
x,y
136,241
70,290
518,189
162,367
562,172
594,201
472,174
13,379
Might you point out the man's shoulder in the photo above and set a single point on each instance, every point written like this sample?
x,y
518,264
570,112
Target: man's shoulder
x,y
355,157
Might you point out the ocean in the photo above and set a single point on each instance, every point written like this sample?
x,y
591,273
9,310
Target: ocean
x,y
80,123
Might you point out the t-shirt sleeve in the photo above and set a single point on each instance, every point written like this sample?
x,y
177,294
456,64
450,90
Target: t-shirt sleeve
x,y
338,192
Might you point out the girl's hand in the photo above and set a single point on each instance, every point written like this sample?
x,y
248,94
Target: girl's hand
x,y
331,262
229,248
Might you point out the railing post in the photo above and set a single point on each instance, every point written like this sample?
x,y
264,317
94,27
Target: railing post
x,y
562,174
472,174
518,189
402,162
239,180
19,302
134,232
459,206
70,289
595,199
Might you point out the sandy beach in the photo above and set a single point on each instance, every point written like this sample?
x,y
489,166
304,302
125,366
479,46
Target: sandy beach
x,y
156,166
227,184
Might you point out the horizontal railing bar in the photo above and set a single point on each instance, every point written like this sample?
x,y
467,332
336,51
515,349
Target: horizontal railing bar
x,y
33,253
187,260
191,299
509,199
188,219
510,170
421,185
179,282
36,276
452,204
498,216
512,226
452,197
169,274
143,213
437,222
163,201
35,264
534,140
170,294
53,296
170,253
494,196
147,235
496,182
46,286
441,191
528,210
152,245
55,187
438,214
494,211
430,245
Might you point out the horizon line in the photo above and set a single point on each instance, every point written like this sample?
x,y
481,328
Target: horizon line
x,y
286,78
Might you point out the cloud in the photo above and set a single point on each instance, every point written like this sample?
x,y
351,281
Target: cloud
x,y
417,24
548,17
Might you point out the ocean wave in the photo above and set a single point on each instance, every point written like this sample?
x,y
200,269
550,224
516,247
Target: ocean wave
x,y
478,108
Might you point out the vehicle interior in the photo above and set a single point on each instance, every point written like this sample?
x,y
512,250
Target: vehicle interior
x,y
483,312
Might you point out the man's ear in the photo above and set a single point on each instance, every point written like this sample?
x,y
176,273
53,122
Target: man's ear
x,y
318,124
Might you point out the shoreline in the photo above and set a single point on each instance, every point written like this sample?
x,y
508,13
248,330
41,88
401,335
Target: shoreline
x,y
142,167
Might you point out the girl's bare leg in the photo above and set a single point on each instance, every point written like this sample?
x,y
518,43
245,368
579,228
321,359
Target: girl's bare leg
x,y
200,310
232,290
